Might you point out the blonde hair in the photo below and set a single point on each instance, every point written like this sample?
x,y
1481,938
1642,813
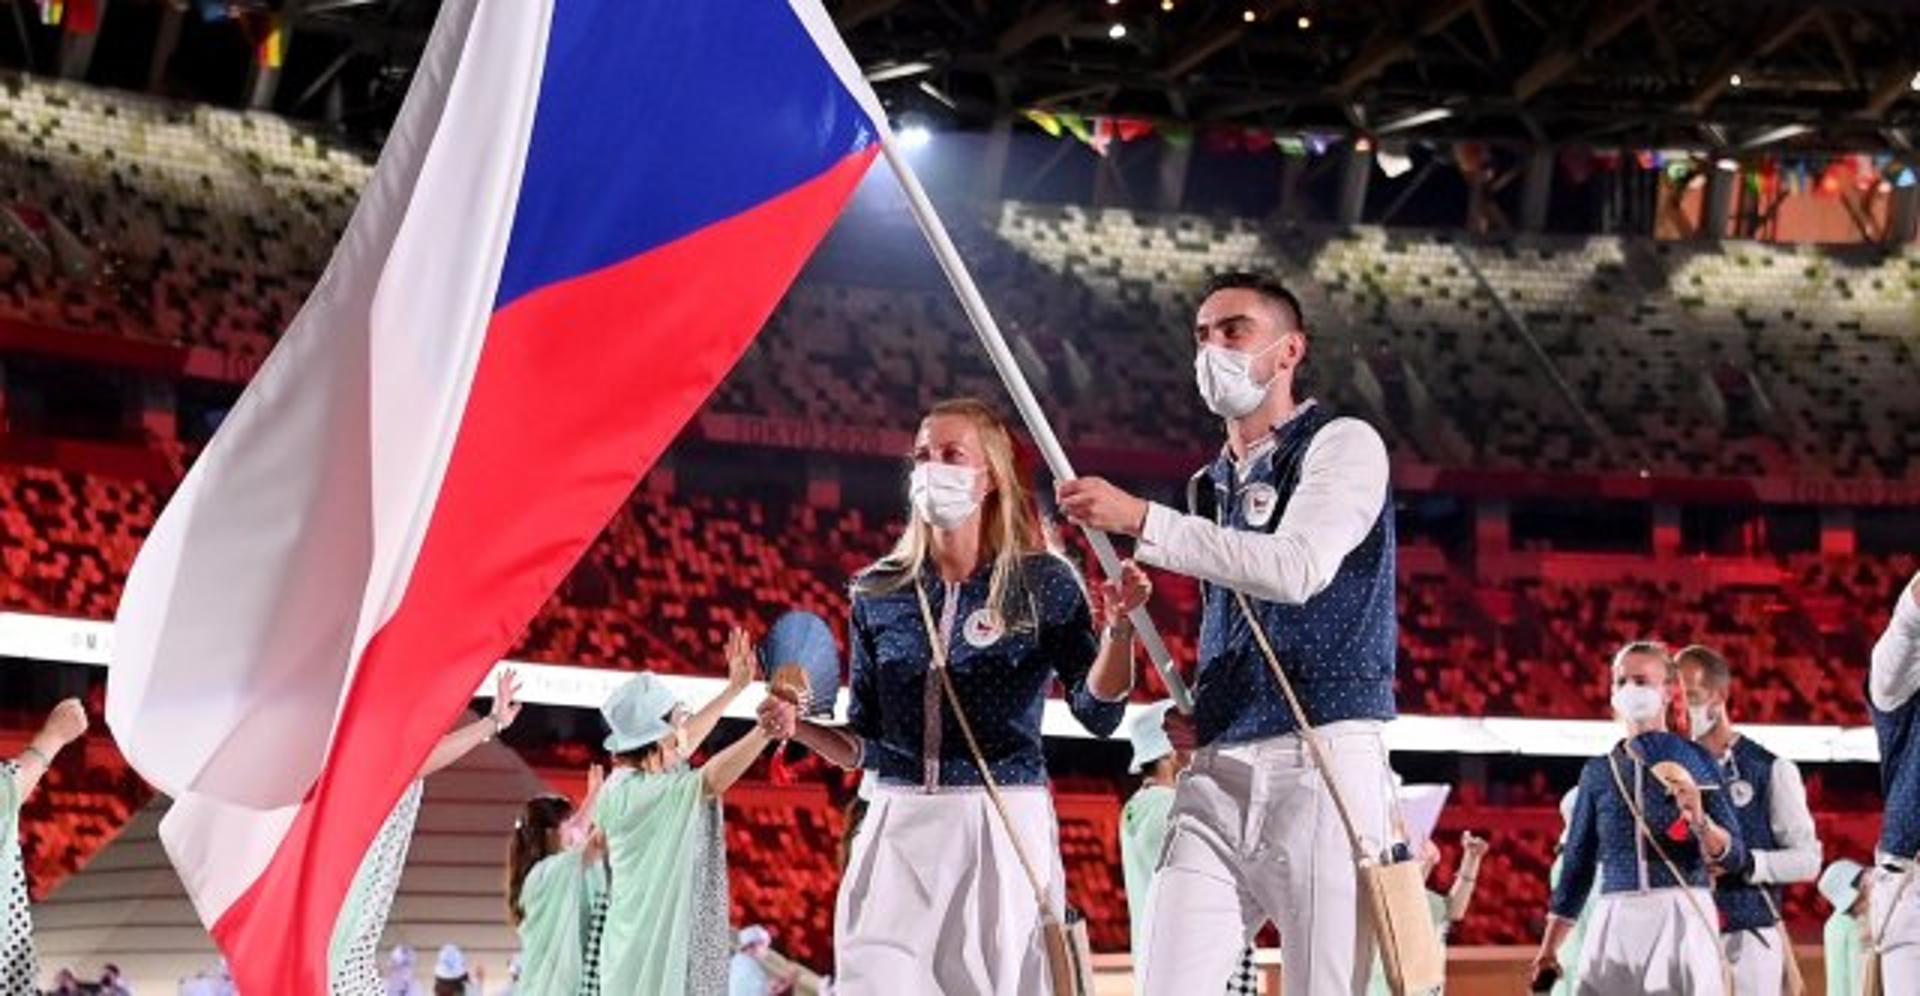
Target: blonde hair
x,y
1010,529
1643,648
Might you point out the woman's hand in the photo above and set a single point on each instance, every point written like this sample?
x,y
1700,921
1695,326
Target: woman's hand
x,y
67,722
1545,965
506,700
741,662
778,717
1687,797
1114,599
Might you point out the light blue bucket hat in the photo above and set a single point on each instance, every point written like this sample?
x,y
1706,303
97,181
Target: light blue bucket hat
x,y
1149,736
1840,883
640,713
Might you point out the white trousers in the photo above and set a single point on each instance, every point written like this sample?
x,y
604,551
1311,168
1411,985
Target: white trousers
x,y
1254,837
1899,931
1759,961
1652,944
934,900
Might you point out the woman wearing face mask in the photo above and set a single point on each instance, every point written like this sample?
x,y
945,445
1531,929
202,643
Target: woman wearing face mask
x,y
666,931
1647,933
934,899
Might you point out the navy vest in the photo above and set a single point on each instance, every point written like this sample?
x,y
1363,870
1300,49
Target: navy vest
x,y
1899,778
1603,839
1741,905
1338,647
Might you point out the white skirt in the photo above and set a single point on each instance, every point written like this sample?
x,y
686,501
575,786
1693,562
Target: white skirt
x,y
934,900
1759,961
1652,944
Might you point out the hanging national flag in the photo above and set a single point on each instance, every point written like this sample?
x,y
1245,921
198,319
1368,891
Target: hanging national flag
x,y
1044,121
1077,126
51,11
1837,176
1866,172
583,215
1393,161
271,50
1104,133
82,17
1132,129
1472,158
1578,163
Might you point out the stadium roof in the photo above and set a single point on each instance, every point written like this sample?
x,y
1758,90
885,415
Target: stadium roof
x,y
1699,74
1707,73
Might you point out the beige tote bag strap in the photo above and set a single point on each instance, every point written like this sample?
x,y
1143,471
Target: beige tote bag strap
x,y
1311,738
1893,907
1039,884
1790,962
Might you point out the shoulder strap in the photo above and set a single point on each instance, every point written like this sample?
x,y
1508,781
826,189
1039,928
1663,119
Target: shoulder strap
x,y
1311,738
1893,907
1640,821
1201,499
1047,912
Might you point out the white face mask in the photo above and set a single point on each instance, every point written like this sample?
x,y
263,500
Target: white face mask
x,y
1225,377
1702,720
1638,704
942,494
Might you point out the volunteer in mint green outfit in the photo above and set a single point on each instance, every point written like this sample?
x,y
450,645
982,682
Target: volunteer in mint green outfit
x,y
1570,951
1143,822
19,971
1845,936
353,967
666,931
556,877
1143,829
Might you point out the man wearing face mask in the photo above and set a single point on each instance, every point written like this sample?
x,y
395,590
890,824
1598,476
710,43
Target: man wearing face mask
x,y
1653,822
1295,515
1771,802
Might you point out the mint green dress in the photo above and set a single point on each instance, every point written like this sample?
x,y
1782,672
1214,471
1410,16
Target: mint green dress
x,y
1569,953
19,969
666,930
1846,954
557,903
353,959
1143,832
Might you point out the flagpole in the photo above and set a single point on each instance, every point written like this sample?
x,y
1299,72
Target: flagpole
x,y
1023,399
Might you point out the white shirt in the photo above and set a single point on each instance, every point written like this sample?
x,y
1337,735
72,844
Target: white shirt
x,y
1343,486
1895,676
1797,856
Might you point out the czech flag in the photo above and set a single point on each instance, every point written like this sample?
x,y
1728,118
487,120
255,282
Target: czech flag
x,y
585,212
